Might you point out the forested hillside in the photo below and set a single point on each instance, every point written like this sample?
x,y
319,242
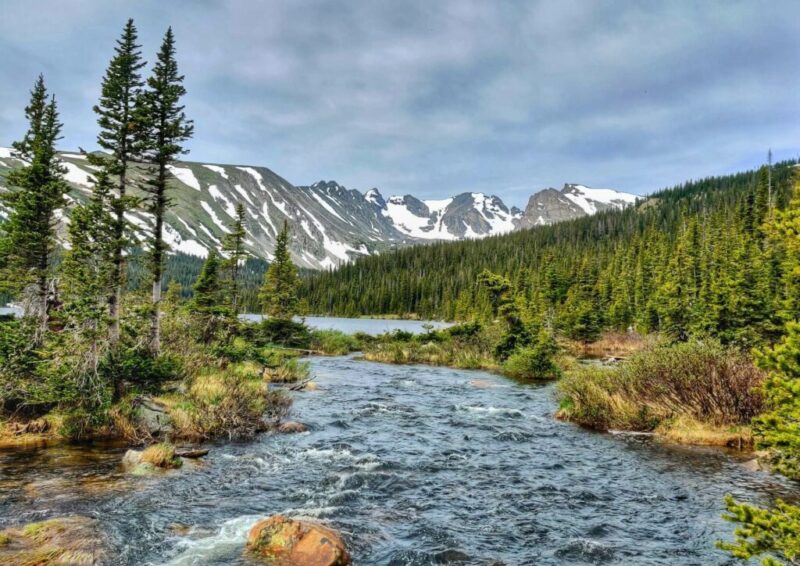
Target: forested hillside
x,y
693,259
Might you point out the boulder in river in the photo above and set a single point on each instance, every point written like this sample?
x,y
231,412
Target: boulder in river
x,y
291,426
288,542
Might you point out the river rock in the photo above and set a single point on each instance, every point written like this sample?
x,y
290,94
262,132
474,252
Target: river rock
x,y
291,427
132,462
310,386
151,416
288,542
481,383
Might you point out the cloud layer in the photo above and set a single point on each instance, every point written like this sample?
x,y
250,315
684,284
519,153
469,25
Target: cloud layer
x,y
440,97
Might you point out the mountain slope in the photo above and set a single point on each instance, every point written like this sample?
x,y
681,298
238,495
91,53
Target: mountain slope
x,y
331,225
573,201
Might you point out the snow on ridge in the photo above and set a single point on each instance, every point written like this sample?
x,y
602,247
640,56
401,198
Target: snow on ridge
x,y
586,197
217,195
185,176
5,153
217,169
214,217
245,195
76,175
326,206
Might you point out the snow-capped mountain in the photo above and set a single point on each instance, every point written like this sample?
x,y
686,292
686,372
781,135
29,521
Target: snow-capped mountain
x,y
573,201
468,215
330,224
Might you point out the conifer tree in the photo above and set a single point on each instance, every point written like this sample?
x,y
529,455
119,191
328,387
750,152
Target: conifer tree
x,y
115,111
206,301
278,295
89,277
235,254
38,189
163,129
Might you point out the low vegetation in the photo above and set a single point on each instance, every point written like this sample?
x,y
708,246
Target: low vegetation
x,y
690,391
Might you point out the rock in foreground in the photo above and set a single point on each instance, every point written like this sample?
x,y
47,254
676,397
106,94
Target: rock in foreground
x,y
281,541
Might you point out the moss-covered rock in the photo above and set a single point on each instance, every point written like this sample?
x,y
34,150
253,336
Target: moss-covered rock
x,y
281,541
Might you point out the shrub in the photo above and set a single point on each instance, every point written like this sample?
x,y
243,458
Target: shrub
x,y
333,342
140,368
531,363
286,333
701,380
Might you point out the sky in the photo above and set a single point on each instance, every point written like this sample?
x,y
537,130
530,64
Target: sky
x,y
438,97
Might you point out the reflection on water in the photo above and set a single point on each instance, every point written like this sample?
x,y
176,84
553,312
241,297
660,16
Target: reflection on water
x,y
414,465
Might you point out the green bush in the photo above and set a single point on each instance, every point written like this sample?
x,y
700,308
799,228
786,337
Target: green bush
x,y
333,342
141,369
287,333
531,363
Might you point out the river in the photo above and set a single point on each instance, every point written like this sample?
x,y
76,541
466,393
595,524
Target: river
x,y
414,465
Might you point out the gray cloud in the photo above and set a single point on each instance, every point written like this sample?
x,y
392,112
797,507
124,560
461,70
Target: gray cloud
x,y
438,97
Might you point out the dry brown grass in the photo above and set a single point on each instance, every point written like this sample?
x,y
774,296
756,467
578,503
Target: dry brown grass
x,y
686,430
619,345
161,455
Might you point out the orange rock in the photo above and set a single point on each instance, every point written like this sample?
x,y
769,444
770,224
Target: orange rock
x,y
481,383
288,542
292,426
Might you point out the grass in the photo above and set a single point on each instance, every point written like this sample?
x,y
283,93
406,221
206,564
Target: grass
x,y
161,455
333,342
687,430
290,371
694,392
65,540
618,345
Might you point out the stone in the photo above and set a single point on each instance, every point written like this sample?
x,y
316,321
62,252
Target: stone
x,y
291,427
282,541
481,383
311,386
131,459
151,415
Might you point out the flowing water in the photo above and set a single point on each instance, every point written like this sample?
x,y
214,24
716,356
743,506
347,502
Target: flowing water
x,y
414,465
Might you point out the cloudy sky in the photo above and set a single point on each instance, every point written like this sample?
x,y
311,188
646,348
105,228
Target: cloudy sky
x,y
434,97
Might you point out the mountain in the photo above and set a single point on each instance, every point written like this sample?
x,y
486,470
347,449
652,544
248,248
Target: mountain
x,y
573,201
331,224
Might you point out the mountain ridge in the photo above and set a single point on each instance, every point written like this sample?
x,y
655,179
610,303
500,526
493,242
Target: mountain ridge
x,y
332,224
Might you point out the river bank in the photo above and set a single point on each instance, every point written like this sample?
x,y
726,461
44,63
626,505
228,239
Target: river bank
x,y
413,465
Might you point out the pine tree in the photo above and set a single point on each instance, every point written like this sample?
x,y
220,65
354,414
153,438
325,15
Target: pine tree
x,y
278,295
235,254
163,129
89,277
38,189
120,90
206,304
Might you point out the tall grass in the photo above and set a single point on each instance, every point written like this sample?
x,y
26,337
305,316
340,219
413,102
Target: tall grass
x,y
701,381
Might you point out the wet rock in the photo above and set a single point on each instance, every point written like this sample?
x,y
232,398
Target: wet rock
x,y
311,386
192,453
451,556
287,542
131,459
291,427
481,383
71,540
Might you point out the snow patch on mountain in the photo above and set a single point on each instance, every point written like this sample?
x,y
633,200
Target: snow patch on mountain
x,y
185,176
587,198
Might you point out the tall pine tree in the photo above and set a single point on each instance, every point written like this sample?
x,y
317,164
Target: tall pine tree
x,y
122,85
37,194
278,295
89,277
163,129
235,254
